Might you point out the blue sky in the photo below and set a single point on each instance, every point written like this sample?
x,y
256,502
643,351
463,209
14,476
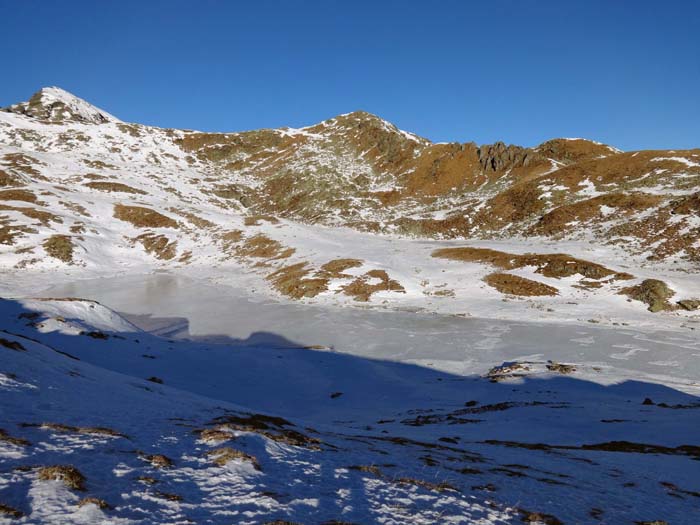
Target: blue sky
x,y
623,72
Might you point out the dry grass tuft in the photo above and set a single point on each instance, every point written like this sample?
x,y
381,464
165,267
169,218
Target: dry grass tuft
x,y
516,285
157,460
113,187
225,454
68,474
60,247
212,435
561,368
143,217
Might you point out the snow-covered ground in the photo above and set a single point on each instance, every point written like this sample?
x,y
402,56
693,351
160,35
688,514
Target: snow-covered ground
x,y
195,391
389,417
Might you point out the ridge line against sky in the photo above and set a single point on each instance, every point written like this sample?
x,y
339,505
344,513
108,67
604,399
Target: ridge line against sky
x,y
626,73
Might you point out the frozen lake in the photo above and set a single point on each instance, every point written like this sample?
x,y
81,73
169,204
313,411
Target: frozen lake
x,y
180,307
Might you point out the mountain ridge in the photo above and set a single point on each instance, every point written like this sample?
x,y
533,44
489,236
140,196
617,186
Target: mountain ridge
x,y
79,189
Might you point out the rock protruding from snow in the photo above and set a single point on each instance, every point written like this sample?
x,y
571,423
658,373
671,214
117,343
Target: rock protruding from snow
x,y
53,104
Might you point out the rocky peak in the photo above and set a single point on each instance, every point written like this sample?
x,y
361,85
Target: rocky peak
x,y
498,156
53,104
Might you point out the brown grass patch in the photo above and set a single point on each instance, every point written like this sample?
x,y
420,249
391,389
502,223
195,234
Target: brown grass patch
x,y
43,217
198,221
555,265
262,247
60,247
361,290
157,245
8,234
291,281
225,454
9,180
334,269
653,293
113,187
254,220
18,195
515,285
68,474
557,220
143,217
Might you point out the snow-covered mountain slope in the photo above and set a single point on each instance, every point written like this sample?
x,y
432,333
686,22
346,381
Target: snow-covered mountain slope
x,y
103,423
296,212
524,347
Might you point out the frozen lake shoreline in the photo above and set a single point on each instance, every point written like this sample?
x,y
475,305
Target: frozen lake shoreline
x,y
176,306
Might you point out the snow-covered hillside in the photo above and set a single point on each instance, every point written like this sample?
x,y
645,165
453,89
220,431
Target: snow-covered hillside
x,y
343,323
294,210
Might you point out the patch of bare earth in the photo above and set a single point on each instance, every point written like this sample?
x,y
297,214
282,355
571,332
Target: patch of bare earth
x,y
515,285
143,217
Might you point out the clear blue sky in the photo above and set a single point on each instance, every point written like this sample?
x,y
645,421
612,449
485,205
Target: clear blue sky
x,y
626,72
